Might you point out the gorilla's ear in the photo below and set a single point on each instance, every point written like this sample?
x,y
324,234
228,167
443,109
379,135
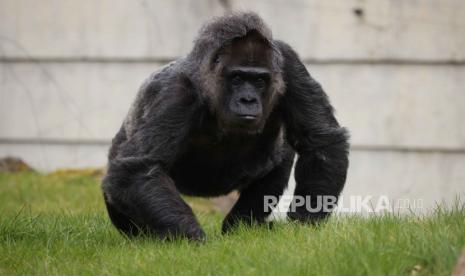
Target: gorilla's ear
x,y
308,114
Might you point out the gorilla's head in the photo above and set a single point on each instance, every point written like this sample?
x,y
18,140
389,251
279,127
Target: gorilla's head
x,y
244,70
240,73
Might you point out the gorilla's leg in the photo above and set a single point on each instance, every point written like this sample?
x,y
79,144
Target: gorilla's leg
x,y
249,208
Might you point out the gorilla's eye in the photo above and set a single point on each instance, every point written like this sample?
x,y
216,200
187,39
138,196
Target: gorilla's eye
x,y
260,83
236,80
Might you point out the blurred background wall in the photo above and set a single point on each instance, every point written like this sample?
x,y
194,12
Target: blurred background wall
x,y
394,70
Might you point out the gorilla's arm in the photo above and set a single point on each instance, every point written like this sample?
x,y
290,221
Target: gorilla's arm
x,y
138,191
312,130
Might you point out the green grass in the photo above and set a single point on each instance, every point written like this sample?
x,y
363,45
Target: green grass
x,y
56,224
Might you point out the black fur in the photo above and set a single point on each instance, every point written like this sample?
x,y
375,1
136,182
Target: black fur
x,y
178,138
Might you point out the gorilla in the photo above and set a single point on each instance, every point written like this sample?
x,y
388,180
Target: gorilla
x,y
231,115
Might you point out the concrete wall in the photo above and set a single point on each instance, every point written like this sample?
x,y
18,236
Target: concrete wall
x,y
394,70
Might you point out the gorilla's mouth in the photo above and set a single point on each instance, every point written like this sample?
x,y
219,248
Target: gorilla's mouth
x,y
247,117
243,124
247,120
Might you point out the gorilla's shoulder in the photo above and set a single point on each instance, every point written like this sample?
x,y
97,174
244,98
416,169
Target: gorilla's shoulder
x,y
168,86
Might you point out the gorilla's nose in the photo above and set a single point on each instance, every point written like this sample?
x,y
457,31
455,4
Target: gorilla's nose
x,y
247,100
246,106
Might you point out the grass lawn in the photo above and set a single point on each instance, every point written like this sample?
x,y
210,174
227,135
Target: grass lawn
x,y
56,224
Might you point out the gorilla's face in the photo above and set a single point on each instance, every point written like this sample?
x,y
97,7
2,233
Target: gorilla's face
x,y
246,76
246,87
